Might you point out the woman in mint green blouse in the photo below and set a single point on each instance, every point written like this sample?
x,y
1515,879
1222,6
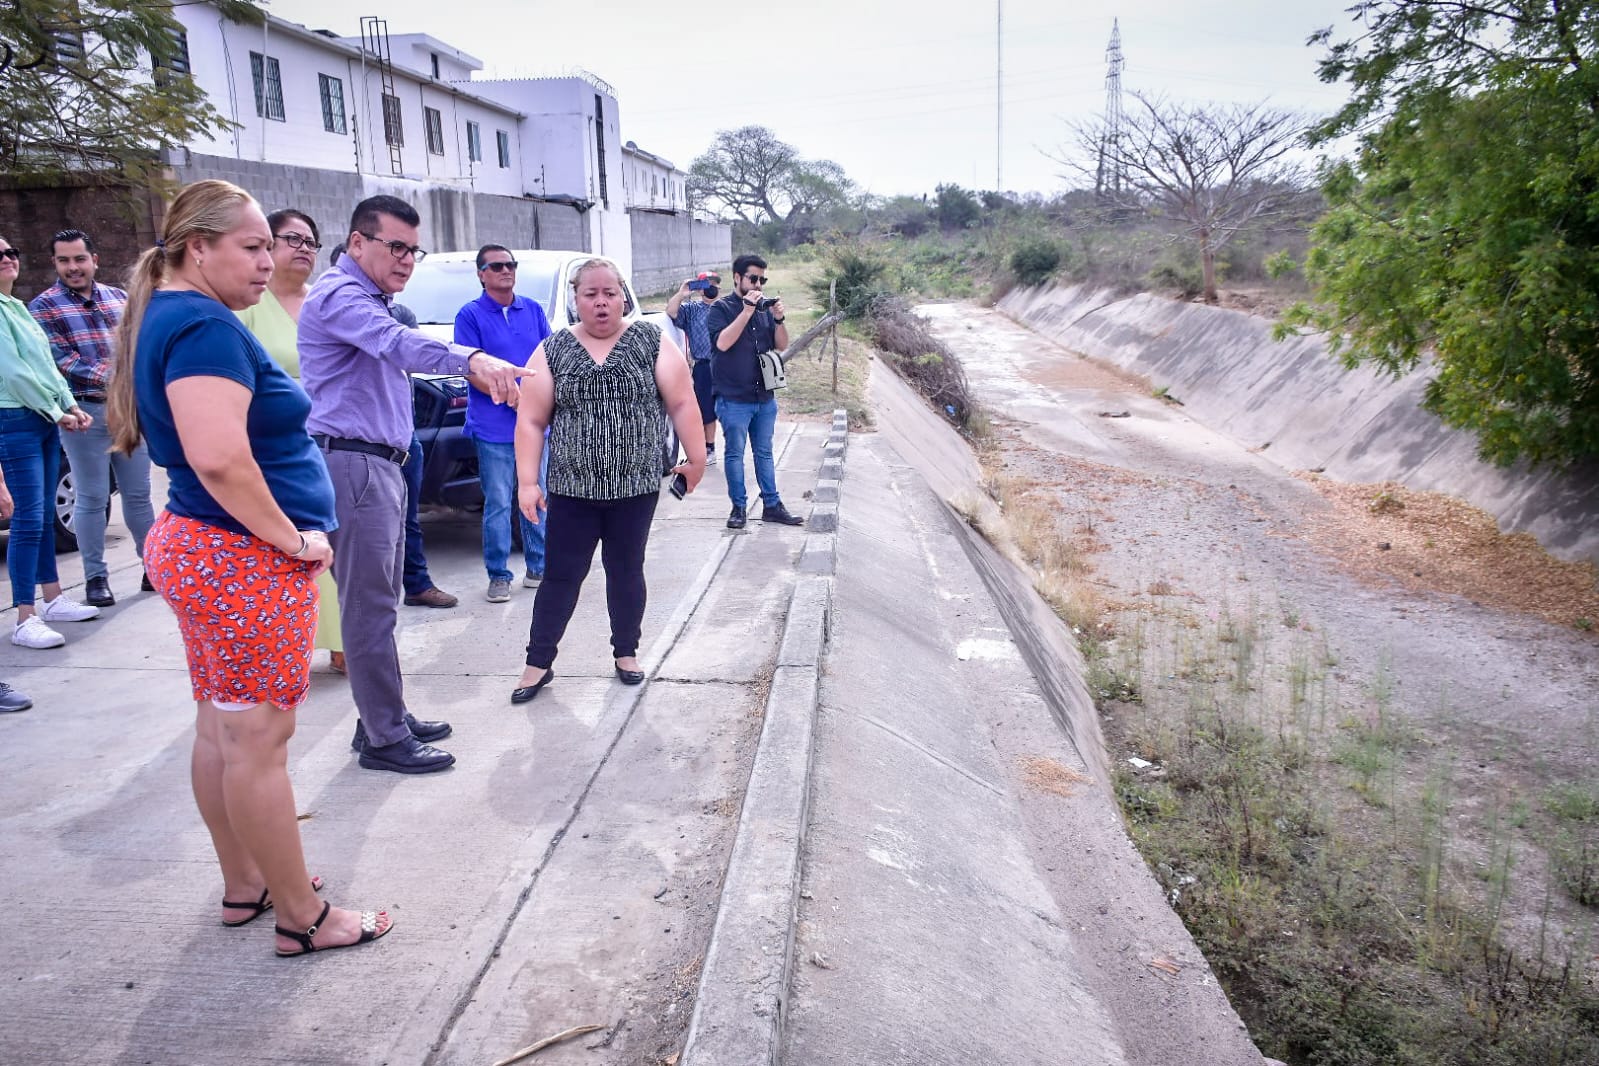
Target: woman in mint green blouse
x,y
275,321
34,401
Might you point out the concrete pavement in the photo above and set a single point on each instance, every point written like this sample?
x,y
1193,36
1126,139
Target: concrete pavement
x,y
957,885
564,873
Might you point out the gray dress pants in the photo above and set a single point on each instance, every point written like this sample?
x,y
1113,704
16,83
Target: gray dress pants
x,y
368,566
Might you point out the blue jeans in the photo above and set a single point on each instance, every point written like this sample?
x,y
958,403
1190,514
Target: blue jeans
x,y
30,455
417,578
755,423
92,464
496,470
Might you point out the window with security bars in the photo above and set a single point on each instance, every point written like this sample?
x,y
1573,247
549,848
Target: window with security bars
x,y
599,146
433,124
268,86
332,92
474,142
393,129
172,61
503,142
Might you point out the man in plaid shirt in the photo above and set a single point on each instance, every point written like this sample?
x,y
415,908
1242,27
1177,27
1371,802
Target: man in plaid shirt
x,y
80,317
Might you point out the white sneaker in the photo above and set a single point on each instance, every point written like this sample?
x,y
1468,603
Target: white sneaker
x,y
710,458
33,633
530,580
65,609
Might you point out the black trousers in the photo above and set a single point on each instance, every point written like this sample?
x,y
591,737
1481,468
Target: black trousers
x,y
622,530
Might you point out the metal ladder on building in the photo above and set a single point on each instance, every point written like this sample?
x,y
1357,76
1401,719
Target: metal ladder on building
x,y
375,39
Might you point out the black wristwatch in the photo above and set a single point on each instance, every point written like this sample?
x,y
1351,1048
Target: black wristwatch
x,y
779,321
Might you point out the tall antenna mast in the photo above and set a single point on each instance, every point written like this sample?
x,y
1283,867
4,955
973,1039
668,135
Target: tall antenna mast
x,y
998,95
1108,181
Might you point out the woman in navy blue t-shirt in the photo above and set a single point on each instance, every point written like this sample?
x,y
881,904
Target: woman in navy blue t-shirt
x,y
238,547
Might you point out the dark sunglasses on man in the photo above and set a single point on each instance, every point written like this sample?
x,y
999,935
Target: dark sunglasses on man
x,y
756,279
501,267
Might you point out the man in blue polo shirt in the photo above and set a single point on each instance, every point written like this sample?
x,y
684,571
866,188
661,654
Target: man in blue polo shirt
x,y
509,326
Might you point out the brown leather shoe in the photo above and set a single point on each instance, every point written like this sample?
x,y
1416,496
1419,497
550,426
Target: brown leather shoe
x,y
432,596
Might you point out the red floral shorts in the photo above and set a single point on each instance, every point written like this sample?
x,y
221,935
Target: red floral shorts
x,y
247,611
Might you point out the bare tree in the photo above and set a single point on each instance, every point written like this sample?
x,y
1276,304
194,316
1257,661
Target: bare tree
x,y
757,178
1210,170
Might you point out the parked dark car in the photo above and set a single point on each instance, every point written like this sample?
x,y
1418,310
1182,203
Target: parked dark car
x,y
449,458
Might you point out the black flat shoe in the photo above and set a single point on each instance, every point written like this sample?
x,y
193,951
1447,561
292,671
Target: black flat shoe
x,y
630,677
527,692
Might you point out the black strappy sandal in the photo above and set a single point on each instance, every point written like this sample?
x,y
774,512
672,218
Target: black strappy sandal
x,y
369,926
260,906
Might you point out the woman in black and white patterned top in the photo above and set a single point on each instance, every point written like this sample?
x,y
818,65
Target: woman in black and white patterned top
x,y
600,388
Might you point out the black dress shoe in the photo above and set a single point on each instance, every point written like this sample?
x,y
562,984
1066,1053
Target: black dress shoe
x,y
736,520
408,756
629,677
427,732
97,593
781,515
527,692
144,583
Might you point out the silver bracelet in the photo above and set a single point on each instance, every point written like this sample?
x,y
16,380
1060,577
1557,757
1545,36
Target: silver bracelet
x,y
304,547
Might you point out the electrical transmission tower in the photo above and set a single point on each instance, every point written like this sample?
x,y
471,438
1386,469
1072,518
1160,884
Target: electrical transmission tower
x,y
1110,177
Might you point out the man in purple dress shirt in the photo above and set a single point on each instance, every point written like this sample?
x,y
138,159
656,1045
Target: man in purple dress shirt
x,y
354,364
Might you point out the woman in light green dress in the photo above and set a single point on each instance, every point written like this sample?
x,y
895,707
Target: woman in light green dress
x,y
275,323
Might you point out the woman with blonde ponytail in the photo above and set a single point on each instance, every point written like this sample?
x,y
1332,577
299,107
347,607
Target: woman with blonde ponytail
x,y
238,548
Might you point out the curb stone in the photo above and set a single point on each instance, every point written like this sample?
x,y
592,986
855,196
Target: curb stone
x,y
742,1001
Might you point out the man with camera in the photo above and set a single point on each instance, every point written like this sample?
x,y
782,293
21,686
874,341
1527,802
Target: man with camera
x,y
689,315
743,326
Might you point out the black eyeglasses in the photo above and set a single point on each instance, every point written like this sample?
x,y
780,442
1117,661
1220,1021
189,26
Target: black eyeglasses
x,y
399,248
295,241
10,253
501,267
756,279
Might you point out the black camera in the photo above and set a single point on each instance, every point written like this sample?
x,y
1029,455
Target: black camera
x,y
762,303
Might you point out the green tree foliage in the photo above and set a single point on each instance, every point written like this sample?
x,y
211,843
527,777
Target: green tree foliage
x,y
1468,225
1034,260
77,89
859,275
955,208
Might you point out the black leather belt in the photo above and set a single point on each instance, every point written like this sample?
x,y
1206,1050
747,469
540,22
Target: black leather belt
x,y
397,456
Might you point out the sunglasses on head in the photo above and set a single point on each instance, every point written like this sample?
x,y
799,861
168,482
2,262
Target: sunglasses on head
x,y
756,279
501,267
295,241
10,253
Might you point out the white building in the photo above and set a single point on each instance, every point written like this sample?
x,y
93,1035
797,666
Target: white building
x,y
323,120
309,98
652,183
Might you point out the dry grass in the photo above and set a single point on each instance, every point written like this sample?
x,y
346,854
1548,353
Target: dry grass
x,y
1053,777
1032,530
1441,544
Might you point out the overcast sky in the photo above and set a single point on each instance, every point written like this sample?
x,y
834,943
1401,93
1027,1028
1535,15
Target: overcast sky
x,y
901,93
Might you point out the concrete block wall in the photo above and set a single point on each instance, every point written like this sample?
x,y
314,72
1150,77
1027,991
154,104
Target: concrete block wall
x,y
453,218
1357,425
670,247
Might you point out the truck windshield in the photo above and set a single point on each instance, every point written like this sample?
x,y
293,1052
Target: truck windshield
x,y
437,290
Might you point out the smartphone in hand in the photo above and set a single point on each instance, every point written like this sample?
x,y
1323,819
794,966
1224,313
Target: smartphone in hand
x,y
679,486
